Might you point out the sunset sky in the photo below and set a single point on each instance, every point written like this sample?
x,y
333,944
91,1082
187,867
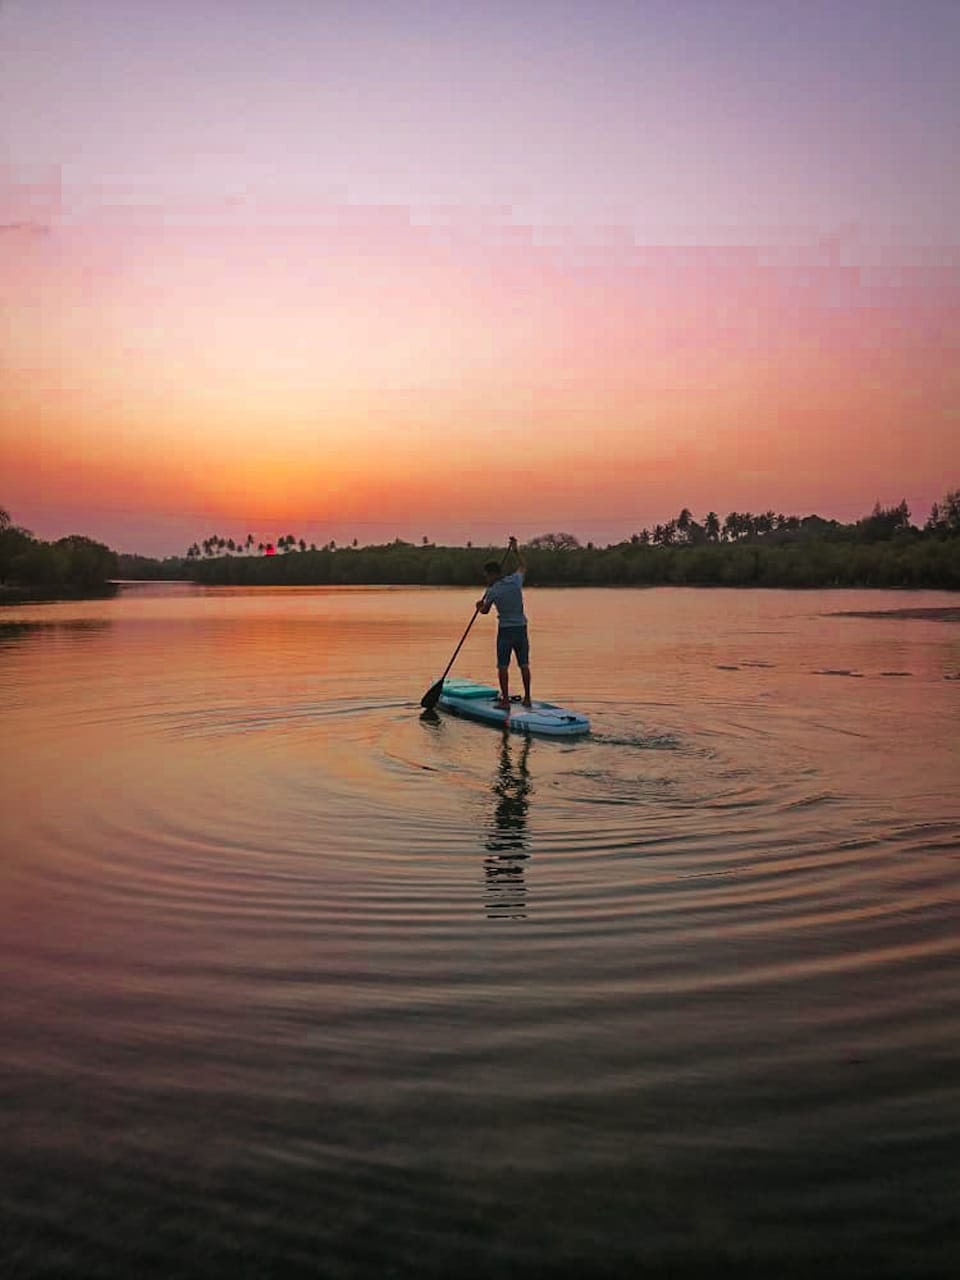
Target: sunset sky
x,y
468,268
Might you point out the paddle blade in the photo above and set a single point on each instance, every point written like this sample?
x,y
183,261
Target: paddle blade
x,y
432,696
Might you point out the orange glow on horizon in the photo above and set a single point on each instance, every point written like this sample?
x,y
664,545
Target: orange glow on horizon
x,y
382,373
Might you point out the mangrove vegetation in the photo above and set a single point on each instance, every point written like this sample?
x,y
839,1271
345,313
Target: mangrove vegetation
x,y
741,549
884,549
72,566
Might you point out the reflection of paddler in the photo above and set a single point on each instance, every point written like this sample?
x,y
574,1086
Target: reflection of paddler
x,y
512,788
507,841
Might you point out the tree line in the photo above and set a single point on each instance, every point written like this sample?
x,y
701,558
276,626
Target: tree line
x,y
883,549
215,545
74,565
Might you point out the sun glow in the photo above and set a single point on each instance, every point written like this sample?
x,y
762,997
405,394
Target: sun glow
x,y
361,330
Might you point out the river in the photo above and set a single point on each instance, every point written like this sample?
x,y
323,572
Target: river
x,y
297,981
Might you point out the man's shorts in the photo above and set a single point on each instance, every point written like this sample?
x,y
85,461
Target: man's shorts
x,y
513,640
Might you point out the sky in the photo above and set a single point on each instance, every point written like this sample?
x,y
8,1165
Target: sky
x,y
460,269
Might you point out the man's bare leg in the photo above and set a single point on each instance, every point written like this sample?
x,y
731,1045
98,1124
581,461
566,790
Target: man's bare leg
x,y
525,673
504,675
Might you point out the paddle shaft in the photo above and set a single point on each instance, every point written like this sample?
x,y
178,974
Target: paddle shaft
x,y
460,645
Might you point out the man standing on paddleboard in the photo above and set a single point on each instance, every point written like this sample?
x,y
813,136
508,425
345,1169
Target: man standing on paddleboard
x,y
506,592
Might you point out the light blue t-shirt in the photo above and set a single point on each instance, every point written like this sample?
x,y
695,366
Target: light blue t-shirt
x,y
506,595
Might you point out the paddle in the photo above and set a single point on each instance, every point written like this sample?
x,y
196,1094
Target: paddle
x,y
432,696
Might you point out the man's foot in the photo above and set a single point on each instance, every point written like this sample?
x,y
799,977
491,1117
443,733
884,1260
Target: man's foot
x,y
502,704
527,702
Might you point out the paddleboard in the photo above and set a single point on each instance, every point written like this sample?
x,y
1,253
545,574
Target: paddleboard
x,y
478,702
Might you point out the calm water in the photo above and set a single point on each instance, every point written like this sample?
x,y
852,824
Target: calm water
x,y
298,982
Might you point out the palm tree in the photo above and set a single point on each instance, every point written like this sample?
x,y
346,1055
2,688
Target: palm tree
x,y
303,545
684,520
711,525
4,518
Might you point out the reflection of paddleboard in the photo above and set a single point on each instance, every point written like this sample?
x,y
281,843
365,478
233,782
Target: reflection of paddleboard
x,y
477,702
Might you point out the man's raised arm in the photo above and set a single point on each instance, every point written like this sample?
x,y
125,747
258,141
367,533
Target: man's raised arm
x,y
521,563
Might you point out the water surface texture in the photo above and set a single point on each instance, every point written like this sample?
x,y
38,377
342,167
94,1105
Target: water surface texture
x,y
298,981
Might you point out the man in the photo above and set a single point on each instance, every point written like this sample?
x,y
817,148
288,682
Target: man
x,y
506,592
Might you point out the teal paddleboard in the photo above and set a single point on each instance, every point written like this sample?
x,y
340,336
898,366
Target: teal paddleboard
x,y
478,702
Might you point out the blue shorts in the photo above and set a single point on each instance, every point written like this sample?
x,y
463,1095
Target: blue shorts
x,y
513,640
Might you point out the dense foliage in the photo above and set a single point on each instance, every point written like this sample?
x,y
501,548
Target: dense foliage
x,y
71,565
907,562
147,569
768,550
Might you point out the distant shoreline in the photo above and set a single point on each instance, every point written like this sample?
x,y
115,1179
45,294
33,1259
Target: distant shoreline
x,y
914,561
52,595
12,596
946,613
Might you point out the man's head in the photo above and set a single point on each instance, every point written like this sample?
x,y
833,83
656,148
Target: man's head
x,y
491,571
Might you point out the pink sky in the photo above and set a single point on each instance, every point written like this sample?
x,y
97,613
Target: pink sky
x,y
345,277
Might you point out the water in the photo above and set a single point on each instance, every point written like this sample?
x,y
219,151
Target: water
x,y
299,982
